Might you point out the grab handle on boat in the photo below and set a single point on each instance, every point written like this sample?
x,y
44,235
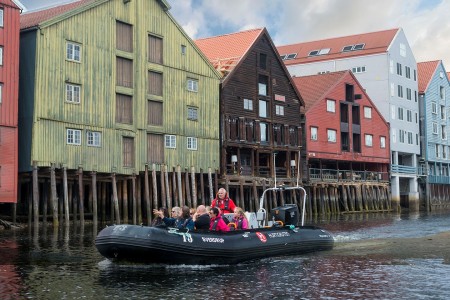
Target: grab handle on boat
x,y
279,222
231,224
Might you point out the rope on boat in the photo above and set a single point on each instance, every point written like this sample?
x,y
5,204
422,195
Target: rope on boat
x,y
186,235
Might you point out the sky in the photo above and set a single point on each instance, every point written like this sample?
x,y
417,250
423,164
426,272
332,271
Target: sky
x,y
425,22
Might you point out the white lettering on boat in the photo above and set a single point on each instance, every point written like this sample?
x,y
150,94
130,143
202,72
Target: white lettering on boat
x,y
212,240
278,234
119,228
324,236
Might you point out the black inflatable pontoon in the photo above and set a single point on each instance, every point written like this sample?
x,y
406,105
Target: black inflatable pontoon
x,y
136,243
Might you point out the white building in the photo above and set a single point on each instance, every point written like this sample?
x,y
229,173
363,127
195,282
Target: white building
x,y
385,66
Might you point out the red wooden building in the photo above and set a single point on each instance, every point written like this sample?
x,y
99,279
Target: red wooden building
x,y
346,136
9,84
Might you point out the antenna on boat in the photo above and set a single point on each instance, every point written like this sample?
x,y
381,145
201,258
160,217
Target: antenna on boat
x,y
298,167
275,168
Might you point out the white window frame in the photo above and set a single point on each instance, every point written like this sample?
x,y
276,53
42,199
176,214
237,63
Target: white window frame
x,y
73,136
279,110
262,89
248,104
263,111
382,142
73,93
368,140
183,49
367,112
170,141
409,115
443,132
435,128
331,106
400,113
1,92
433,107
436,149
263,132
402,50
1,55
443,112
393,112
191,143
313,132
361,69
192,113
73,51
410,138
1,17
401,136
94,138
331,135
441,92
192,85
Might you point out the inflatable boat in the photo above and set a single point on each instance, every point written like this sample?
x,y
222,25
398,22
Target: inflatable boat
x,y
280,236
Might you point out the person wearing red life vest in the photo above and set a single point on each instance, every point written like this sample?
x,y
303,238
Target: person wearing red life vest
x,y
222,201
217,223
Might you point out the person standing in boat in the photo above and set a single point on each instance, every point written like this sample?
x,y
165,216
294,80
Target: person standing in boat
x,y
217,223
239,219
224,202
201,218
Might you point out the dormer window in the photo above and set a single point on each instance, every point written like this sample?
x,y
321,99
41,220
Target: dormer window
x,y
288,56
353,47
358,47
319,52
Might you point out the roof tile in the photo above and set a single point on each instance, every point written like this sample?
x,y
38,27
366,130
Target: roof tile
x,y
425,72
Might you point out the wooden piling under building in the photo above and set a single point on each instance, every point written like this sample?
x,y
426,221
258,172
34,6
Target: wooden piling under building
x,y
67,195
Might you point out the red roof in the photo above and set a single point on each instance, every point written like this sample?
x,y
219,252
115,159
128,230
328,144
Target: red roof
x,y
425,72
374,42
314,88
32,19
225,51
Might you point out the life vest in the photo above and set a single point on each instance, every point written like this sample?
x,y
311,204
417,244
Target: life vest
x,y
216,221
239,223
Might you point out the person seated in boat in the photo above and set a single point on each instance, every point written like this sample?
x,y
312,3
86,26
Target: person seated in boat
x,y
180,218
217,223
188,222
201,218
239,219
224,202
158,221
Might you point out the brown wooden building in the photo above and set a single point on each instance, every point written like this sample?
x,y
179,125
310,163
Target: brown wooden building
x,y
259,106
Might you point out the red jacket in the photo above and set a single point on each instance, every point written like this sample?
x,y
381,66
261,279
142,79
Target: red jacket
x,y
226,204
218,224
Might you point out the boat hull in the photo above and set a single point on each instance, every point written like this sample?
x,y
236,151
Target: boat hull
x,y
144,244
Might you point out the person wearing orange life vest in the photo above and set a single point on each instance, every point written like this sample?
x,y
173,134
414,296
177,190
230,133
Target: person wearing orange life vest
x,y
222,201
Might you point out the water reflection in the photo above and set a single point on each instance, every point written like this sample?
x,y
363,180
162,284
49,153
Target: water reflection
x,y
62,263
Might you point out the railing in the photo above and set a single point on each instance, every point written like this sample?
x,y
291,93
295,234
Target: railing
x,y
403,169
439,179
347,175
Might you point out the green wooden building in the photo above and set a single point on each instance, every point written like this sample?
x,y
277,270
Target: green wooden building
x,y
112,85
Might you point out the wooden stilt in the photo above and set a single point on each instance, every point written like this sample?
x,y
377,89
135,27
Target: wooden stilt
x,y
174,188
162,187
139,199
35,194
180,187
210,184
202,187
241,192
54,196
125,201
45,200
147,196
194,189
216,181
94,198
155,189
133,197
166,180
66,197
81,194
115,199
103,197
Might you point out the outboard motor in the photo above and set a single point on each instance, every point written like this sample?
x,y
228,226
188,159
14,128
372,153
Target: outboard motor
x,y
288,214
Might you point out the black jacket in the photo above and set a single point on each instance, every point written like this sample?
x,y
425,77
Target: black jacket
x,y
202,222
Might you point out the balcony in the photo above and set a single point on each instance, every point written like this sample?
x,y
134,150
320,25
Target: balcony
x,y
401,169
332,175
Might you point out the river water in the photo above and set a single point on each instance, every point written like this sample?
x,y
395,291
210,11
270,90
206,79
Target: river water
x,y
376,256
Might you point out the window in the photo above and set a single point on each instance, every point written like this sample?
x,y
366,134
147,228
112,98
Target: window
x,y
359,69
1,17
155,83
331,134
1,56
263,61
435,128
183,49
192,113
443,132
73,137
124,109
382,142
1,92
393,112
367,112
399,69
436,150
408,115
442,112
408,93
155,113
314,133
155,49
155,148
94,138
331,105
444,151
263,85
73,93
192,143
263,109
124,72
192,85
368,138
400,91
400,113
264,137
170,141
124,36
73,51
433,107
279,110
401,136
410,138
290,56
408,72
128,152
442,92
248,104
402,50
